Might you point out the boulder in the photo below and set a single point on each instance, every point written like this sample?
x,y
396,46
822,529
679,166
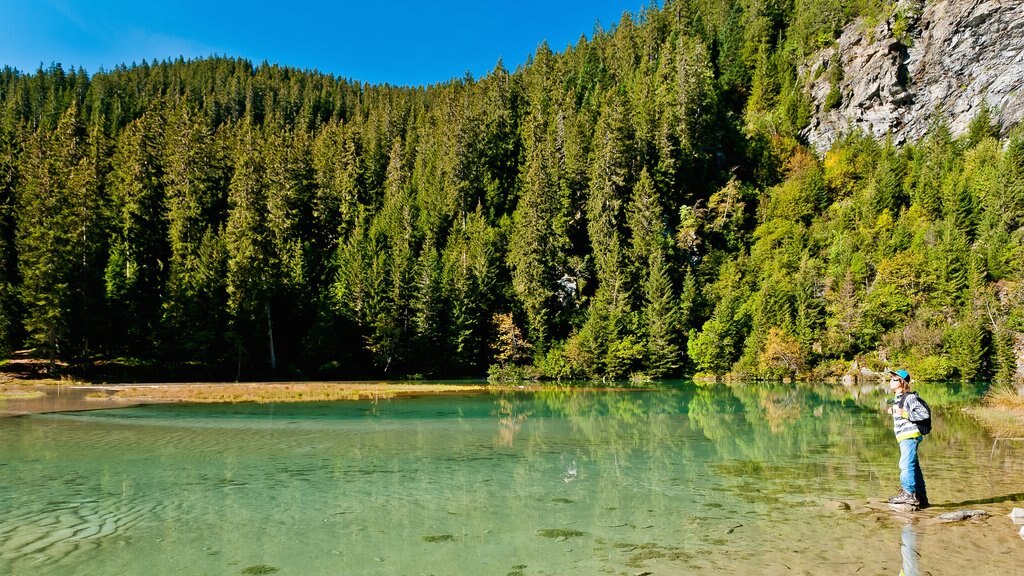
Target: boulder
x,y
961,515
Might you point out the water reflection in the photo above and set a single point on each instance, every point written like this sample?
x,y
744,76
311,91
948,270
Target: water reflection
x,y
510,419
909,551
22,400
679,480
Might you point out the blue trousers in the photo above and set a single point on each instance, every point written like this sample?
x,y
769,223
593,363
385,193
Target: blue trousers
x,y
910,468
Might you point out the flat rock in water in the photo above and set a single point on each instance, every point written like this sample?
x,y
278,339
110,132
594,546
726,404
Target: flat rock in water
x,y
1017,515
962,515
904,507
837,505
1022,532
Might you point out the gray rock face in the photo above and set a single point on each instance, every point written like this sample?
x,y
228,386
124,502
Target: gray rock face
x,y
956,56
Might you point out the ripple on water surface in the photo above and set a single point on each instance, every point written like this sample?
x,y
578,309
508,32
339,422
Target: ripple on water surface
x,y
671,481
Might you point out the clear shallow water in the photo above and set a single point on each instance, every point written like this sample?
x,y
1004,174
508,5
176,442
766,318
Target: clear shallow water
x,y
676,481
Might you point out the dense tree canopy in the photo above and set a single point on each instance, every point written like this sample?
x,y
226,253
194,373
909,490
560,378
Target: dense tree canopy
x,y
638,204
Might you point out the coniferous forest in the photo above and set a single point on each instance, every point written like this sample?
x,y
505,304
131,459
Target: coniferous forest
x,y
638,204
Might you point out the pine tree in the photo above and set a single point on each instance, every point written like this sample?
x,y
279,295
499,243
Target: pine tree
x,y
335,204
660,319
195,302
252,266
470,283
511,347
610,312
427,303
888,180
60,217
649,253
535,252
502,147
136,269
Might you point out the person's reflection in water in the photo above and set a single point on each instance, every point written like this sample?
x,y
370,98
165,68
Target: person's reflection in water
x,y
908,549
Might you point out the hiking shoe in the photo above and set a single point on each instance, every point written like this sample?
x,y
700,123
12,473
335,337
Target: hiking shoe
x,y
899,496
904,497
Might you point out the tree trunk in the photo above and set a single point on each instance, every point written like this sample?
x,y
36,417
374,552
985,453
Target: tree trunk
x,y
270,335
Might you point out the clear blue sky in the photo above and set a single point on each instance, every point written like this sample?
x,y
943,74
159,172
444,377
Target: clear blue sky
x,y
399,42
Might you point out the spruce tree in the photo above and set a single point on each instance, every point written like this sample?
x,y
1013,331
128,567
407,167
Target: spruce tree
x,y
59,232
649,254
610,184
136,269
195,197
252,267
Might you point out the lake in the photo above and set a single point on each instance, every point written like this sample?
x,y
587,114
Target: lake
x,y
682,479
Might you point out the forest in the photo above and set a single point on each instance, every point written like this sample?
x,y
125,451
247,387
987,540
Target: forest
x,y
638,205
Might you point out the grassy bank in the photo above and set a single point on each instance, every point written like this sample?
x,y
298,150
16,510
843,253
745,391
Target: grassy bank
x,y
276,392
1001,412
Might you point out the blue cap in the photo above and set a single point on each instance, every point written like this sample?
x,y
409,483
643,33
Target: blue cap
x,y
903,374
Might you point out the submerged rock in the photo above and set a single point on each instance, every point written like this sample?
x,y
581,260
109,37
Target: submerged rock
x,y
560,533
259,570
838,506
960,515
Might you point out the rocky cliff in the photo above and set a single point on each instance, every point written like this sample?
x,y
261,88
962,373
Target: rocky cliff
x,y
943,57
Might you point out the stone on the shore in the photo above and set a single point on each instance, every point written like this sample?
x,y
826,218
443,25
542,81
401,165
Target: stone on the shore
x,y
1022,531
1017,514
960,515
904,507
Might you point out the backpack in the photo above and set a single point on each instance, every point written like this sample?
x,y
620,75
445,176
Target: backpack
x,y
925,426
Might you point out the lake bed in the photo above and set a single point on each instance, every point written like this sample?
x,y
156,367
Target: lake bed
x,y
678,480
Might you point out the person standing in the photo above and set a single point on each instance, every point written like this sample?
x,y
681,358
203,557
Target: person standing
x,y
911,419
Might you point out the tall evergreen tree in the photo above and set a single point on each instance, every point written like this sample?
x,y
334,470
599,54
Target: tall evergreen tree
x,y
59,231
195,202
536,251
252,266
610,182
649,253
137,267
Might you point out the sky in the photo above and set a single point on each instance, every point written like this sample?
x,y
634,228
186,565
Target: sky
x,y
399,42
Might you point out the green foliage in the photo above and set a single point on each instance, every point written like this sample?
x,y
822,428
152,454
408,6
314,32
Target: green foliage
x,y
964,347
640,204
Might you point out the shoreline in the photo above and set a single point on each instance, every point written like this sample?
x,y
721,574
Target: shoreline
x,y
273,392
20,397
23,397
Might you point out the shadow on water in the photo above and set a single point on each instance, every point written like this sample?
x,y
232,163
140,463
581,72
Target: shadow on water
x,y
1018,497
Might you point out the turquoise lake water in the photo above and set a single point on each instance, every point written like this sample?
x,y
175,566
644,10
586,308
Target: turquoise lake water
x,y
680,480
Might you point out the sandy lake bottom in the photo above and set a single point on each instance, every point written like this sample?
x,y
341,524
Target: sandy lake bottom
x,y
681,480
